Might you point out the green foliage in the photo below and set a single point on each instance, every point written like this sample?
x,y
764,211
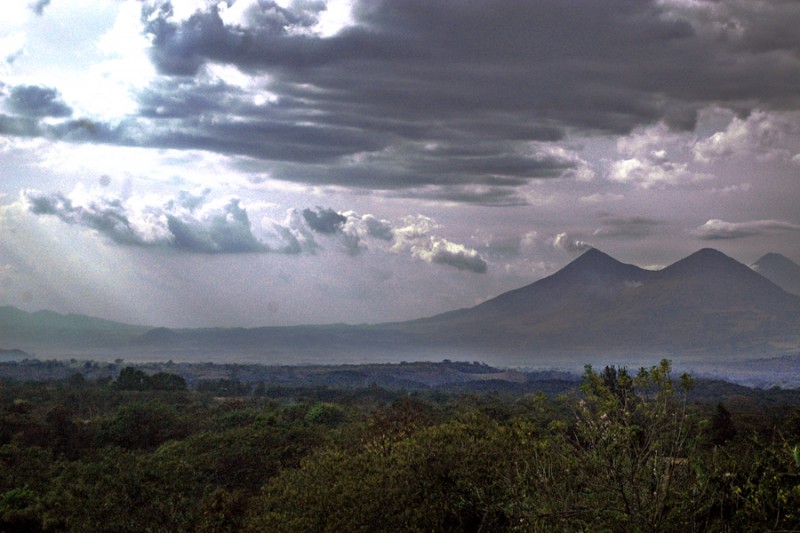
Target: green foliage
x,y
133,379
768,493
121,491
326,413
626,452
722,428
168,382
20,510
142,425
449,477
635,443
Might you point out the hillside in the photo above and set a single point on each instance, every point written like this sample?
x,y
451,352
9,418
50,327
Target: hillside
x,y
45,328
705,305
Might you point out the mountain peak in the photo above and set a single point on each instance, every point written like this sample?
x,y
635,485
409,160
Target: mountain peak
x,y
780,270
776,260
708,254
592,259
704,260
714,272
596,271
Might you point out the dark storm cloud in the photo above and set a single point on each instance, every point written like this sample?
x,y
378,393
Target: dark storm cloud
x,y
32,105
486,196
410,74
487,175
175,98
35,101
605,66
443,95
324,220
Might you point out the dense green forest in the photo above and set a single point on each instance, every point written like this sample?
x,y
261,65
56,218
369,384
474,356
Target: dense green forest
x,y
617,451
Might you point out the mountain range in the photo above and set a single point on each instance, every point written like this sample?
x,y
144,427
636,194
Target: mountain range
x,y
706,305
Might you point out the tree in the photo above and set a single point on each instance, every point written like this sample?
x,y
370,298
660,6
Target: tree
x,y
142,425
20,510
633,440
168,382
133,379
722,427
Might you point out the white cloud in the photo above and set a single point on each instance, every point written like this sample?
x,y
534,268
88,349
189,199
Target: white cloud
x,y
12,46
732,189
579,168
195,222
415,236
652,157
567,243
336,16
761,135
601,198
715,229
442,251
189,222
123,68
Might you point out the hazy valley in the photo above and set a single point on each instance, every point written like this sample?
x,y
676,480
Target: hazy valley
x,y
706,312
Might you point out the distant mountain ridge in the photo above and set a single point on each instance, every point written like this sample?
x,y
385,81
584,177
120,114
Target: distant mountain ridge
x,y
780,270
705,305
68,330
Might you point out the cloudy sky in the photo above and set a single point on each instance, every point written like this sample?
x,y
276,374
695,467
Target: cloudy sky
x,y
258,162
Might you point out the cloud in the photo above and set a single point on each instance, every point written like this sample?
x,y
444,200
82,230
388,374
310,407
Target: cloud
x,y
742,25
196,223
19,126
568,244
38,6
380,229
188,223
626,227
715,229
405,96
601,198
12,47
356,231
36,101
565,242
324,220
415,236
652,158
448,253
348,228
108,217
760,134
415,98
221,228
476,67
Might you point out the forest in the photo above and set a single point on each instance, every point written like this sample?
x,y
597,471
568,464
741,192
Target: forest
x,y
619,450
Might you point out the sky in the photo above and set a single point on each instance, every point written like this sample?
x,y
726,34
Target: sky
x,y
254,162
